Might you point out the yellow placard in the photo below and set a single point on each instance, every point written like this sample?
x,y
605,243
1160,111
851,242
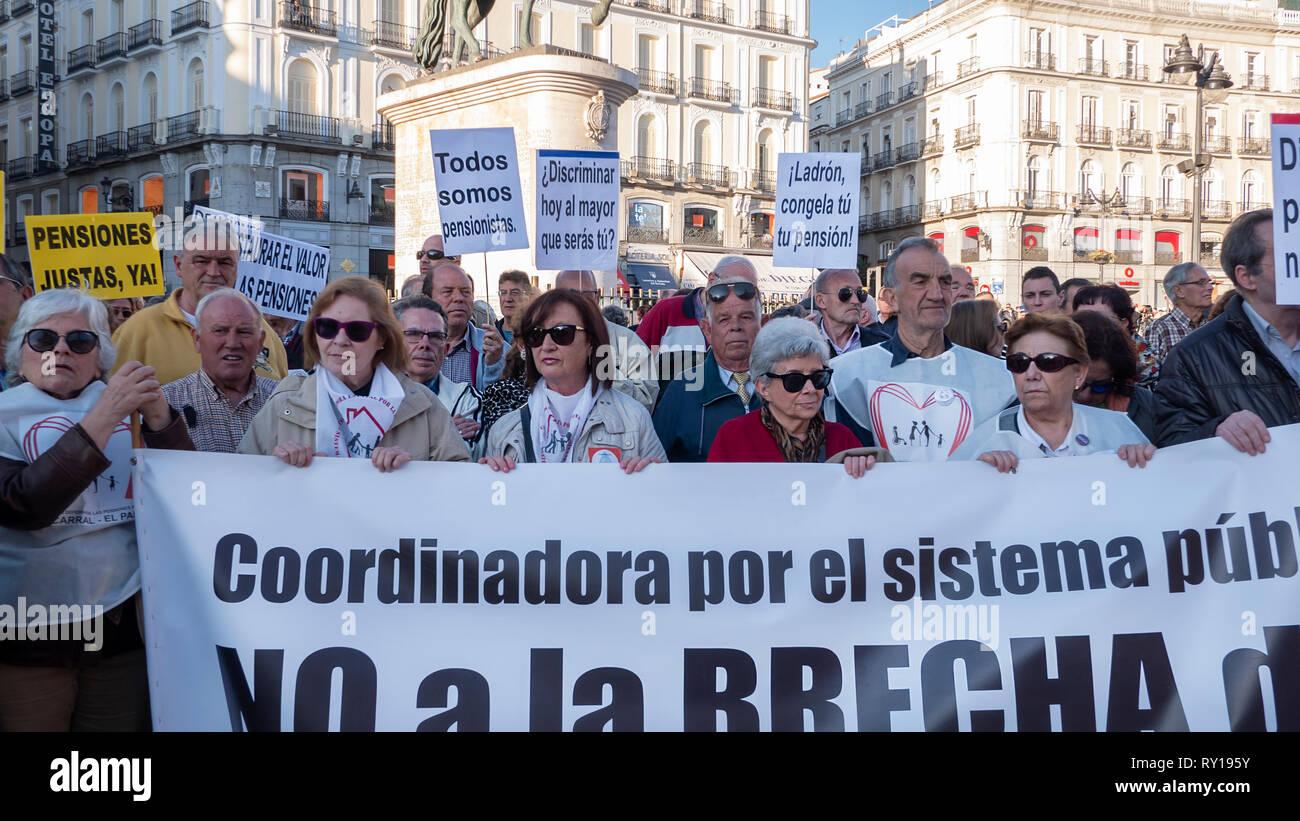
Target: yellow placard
x,y
108,255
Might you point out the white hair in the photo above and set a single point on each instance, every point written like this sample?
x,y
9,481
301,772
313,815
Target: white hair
x,y
1176,276
223,293
785,338
735,259
709,304
46,304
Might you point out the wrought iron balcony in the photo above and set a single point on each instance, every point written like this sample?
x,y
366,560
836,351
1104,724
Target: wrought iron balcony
x,y
300,16
1133,71
932,209
1133,138
112,144
764,181
1093,135
1135,206
967,202
383,136
882,159
1255,82
864,222
654,236
81,153
695,235
714,176
1243,207
769,21
967,67
1095,68
141,138
79,58
907,214
1216,209
305,210
24,82
1253,146
193,16
1128,256
932,145
1216,144
4,10
761,242
709,12
844,115
148,33
310,127
882,219
111,48
884,100
1169,207
1168,258
907,152
1043,60
1043,131
1033,253
394,35
20,168
4,88
773,99
861,110
706,89
651,168
908,91
660,6
966,136
183,126
22,7
656,82
932,81
1038,200
1174,141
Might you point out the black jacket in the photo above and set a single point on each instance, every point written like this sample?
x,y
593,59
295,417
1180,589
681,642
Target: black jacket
x,y
1219,369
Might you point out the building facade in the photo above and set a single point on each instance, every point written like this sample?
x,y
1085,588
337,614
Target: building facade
x,y
1022,133
260,107
723,90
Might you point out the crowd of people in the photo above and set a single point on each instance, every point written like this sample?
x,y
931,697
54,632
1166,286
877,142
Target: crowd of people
x,y
926,369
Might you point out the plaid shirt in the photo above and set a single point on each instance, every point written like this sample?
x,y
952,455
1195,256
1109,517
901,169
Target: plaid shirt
x,y
214,425
457,365
1169,330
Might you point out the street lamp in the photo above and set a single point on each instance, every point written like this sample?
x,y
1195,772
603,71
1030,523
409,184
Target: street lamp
x,y
126,199
1212,84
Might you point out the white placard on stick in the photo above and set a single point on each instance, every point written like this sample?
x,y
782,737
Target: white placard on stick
x,y
817,210
577,210
282,275
480,200
1286,207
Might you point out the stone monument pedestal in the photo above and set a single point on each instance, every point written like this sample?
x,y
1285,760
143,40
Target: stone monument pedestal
x,y
544,93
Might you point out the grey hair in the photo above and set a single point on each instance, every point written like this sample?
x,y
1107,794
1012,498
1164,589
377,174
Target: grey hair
x,y
1241,246
46,304
819,285
1176,276
757,302
889,279
735,259
785,338
221,293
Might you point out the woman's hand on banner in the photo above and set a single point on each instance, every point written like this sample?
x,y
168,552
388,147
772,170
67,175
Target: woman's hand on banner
x,y
504,464
293,453
856,466
1004,460
1137,456
388,459
634,465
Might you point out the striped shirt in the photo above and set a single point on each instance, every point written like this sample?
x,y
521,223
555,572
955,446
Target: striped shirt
x,y
214,425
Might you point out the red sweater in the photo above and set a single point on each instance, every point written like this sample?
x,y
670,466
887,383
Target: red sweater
x,y
744,439
671,323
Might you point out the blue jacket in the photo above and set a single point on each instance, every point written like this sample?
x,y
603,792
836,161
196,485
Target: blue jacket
x,y
690,412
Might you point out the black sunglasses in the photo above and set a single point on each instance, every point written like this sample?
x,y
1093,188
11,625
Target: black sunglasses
x,y
845,294
744,290
562,334
434,254
358,330
1100,386
1046,362
414,335
794,382
43,339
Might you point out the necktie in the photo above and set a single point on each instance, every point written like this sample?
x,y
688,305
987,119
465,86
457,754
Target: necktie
x,y
742,379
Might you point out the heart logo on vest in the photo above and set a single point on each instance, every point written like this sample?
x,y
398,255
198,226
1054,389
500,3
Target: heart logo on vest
x,y
919,430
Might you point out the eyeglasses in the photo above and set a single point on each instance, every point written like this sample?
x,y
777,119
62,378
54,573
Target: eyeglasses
x,y
744,290
794,382
43,339
561,334
1197,283
1046,362
434,254
514,292
16,283
358,330
414,335
1100,386
845,294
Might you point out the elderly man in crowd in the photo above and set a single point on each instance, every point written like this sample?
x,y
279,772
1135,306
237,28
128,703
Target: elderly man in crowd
x,y
1040,291
963,284
632,372
15,289
430,256
162,335
514,290
1239,374
220,399
424,331
917,394
1191,292
695,404
840,301
473,353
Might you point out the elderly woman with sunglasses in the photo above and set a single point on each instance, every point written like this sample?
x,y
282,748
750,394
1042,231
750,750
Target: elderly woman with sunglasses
x,y
357,403
67,531
1048,358
571,415
789,363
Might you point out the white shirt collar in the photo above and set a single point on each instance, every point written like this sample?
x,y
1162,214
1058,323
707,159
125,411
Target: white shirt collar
x,y
1075,443
728,379
855,338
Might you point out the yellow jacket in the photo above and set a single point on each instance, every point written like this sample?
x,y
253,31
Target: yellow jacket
x,y
160,337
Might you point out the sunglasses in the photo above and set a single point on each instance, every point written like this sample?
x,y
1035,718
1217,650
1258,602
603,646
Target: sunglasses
x,y
1046,362
845,294
43,339
1102,386
357,330
414,335
794,382
434,254
744,290
561,334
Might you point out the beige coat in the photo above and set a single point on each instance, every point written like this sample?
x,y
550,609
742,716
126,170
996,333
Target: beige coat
x,y
616,421
422,427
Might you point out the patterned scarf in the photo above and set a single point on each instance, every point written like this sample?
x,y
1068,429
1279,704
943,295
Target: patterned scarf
x,y
795,451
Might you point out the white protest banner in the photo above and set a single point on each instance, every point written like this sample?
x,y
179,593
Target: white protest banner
x,y
282,275
1076,594
480,201
577,210
817,210
1285,134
